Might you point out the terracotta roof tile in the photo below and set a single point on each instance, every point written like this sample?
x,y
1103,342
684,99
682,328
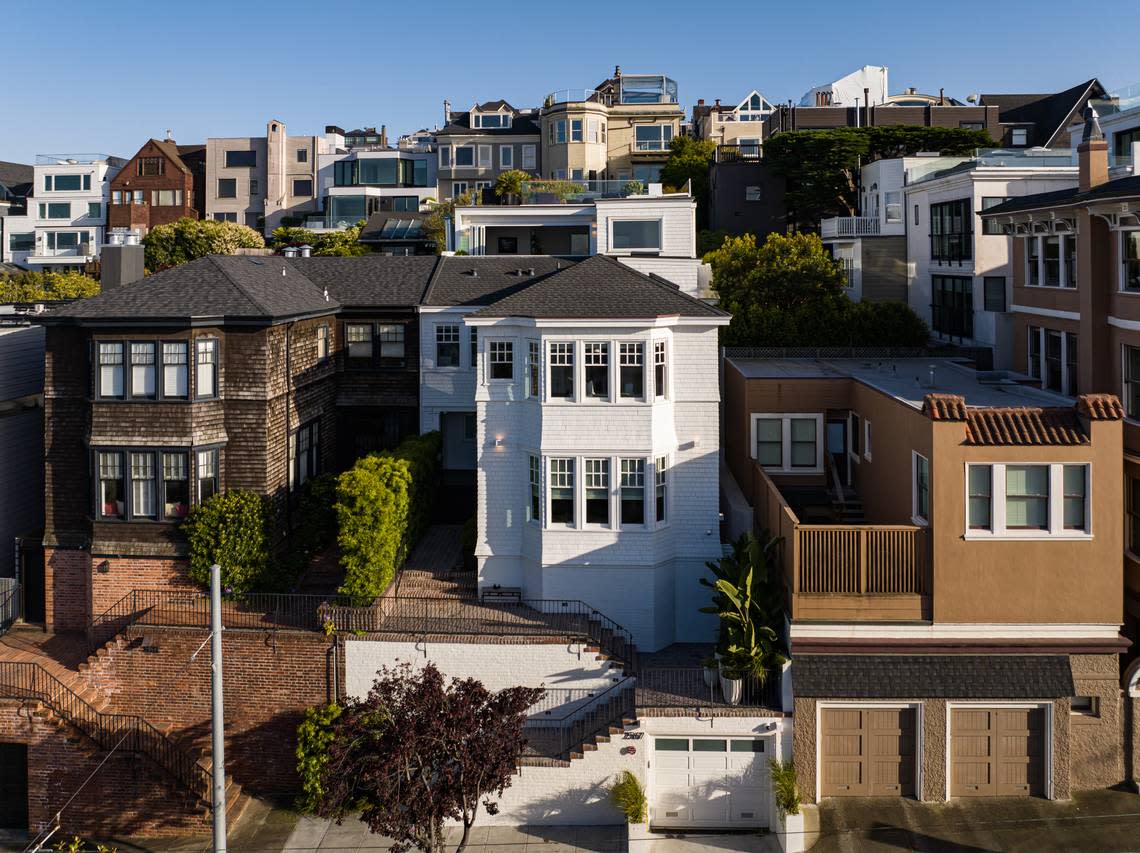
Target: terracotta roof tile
x,y
1100,407
1024,426
944,407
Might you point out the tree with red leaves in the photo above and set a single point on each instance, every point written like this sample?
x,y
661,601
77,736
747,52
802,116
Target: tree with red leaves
x,y
417,752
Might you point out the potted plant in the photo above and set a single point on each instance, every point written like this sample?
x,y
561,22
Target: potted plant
x,y
711,666
509,185
628,794
733,668
786,794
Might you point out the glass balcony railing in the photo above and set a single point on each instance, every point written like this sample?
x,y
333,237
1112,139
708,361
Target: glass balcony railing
x,y
579,192
575,96
1120,101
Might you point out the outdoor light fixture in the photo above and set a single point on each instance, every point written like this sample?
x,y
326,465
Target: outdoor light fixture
x,y
104,567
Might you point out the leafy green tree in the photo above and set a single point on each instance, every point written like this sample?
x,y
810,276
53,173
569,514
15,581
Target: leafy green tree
x,y
708,240
435,225
233,529
46,286
689,160
821,167
189,239
344,243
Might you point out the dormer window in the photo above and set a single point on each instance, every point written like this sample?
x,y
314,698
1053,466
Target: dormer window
x,y
492,121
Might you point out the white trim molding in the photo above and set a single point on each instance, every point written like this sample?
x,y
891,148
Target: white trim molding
x,y
1120,323
955,631
1046,312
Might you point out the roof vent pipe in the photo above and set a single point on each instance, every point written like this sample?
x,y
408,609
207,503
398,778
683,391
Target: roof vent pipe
x,y
326,293
530,271
474,273
290,251
306,250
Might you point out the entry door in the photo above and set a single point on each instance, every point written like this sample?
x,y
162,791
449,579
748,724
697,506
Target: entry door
x,y
710,782
997,752
32,581
13,786
458,430
867,752
837,447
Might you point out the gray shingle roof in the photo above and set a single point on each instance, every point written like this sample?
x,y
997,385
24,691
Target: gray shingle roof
x,y
932,676
497,275
599,287
370,280
221,288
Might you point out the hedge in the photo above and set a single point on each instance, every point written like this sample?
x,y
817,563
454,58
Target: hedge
x,y
383,506
233,529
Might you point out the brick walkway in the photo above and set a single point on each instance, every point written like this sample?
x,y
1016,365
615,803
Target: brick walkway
x,y
435,566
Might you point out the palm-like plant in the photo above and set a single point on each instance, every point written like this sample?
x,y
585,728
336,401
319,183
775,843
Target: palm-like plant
x,y
748,602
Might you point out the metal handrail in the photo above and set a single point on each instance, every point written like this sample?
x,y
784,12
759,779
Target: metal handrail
x,y
9,606
557,737
29,680
686,687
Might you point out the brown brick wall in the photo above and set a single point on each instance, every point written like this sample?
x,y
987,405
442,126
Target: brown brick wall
x,y
146,215
127,796
67,595
270,680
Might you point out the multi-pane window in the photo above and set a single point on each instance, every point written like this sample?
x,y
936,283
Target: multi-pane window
x,y
562,491
358,342
1073,496
1053,359
1052,257
980,496
660,368
142,370
534,510
1132,382
631,370
1130,254
661,488
921,496
322,342
175,485
597,363
207,474
175,367
597,472
533,368
951,231
502,356
653,137
473,341
632,491
892,206
529,156
992,226
151,166
561,360
447,345
1033,261
207,367
304,453
576,130
952,306
112,491
1034,352
770,442
67,183
142,485
391,337
56,210
1027,497
1052,378
110,369
787,442
166,198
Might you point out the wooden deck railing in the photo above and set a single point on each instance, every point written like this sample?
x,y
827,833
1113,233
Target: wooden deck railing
x,y
845,559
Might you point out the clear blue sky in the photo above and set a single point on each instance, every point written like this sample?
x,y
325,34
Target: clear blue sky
x,y
88,76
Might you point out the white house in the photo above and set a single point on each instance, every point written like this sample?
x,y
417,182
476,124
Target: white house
x,y
67,214
648,229
958,270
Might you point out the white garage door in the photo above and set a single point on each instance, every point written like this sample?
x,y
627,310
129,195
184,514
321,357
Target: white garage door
x,y
710,782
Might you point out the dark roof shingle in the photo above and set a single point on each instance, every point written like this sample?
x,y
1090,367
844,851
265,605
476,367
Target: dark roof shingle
x,y
1122,188
371,281
932,676
480,280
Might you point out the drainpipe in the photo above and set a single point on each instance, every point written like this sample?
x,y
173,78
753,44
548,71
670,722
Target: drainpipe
x,y
288,396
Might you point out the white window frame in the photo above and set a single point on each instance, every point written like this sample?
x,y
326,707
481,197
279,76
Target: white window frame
x,y
534,481
660,347
485,157
530,156
1121,267
660,233
921,521
1056,529
662,465
456,192
575,485
866,439
500,352
455,156
532,377
445,157
786,440
506,156
609,486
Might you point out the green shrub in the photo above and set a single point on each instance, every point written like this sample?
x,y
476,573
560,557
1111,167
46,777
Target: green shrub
x,y
233,529
784,786
314,737
383,506
628,795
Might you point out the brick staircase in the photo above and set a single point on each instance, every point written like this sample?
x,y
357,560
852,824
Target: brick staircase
x,y
582,729
76,701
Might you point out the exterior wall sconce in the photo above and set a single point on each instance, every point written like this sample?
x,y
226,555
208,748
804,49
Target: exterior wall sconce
x,y
498,441
104,567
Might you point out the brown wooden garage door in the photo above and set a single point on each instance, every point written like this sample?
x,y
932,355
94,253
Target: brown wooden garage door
x,y
867,752
997,752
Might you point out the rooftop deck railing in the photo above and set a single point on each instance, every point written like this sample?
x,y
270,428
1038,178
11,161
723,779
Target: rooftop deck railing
x,y
849,226
579,192
691,687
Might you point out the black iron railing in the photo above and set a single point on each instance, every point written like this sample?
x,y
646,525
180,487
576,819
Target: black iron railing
x,y
30,681
557,732
10,603
405,615
692,687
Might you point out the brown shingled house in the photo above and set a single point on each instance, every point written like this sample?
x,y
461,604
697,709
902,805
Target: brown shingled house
x,y
950,552
162,183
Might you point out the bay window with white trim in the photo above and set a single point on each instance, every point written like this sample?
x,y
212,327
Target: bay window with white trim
x,y
788,443
1035,500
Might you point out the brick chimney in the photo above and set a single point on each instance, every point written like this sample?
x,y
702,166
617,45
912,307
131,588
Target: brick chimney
x,y
1092,153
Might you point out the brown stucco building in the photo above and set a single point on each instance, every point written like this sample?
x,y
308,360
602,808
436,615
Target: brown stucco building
x,y
162,183
950,554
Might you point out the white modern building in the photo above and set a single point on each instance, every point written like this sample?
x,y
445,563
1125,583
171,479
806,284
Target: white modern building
x,y
647,228
354,184
66,215
959,278
1119,117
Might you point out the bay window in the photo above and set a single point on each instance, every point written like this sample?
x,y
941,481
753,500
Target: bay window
x,y
597,362
631,370
1027,500
562,491
207,474
576,130
660,487
464,156
175,368
632,492
659,369
110,369
206,384
561,359
534,509
597,491
142,370
1130,255
392,345
533,369
175,485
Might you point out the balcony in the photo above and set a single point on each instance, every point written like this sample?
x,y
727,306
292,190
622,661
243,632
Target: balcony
x,y
847,572
576,96
849,226
731,153
579,192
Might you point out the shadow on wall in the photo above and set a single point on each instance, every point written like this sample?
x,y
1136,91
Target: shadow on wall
x,y
589,805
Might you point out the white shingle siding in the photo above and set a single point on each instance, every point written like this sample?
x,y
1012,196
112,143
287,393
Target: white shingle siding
x,y
678,221
683,272
444,389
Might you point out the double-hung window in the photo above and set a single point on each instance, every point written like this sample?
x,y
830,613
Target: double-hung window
x,y
322,343
445,156
561,359
631,370
206,384
660,370
502,358
506,157
653,137
175,369
142,370
110,369
920,495
1032,261
1034,356
560,131
485,157
597,363
447,345
112,488
562,492
358,342
632,492
770,442
175,485
576,130
533,369
534,510
660,474
788,443
304,453
597,491
464,156
1027,500
391,344
142,485
530,157
207,464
